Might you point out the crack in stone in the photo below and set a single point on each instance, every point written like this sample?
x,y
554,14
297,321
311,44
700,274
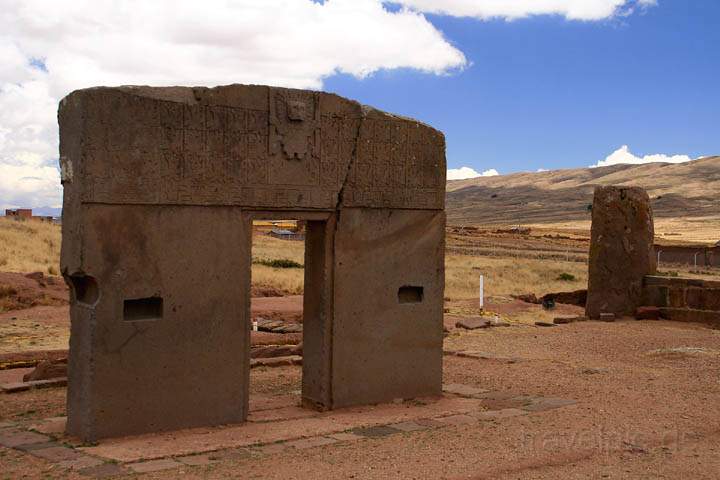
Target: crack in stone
x,y
353,157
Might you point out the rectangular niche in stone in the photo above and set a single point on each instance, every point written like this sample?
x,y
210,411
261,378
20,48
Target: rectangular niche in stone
x,y
138,309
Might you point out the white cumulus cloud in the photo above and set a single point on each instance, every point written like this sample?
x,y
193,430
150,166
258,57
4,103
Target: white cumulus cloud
x,y
623,155
48,49
514,9
463,173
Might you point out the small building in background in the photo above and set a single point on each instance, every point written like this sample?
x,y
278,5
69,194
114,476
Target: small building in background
x,y
27,214
286,234
19,213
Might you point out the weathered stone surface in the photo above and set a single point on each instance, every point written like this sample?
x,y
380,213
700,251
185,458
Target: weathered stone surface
x,y
160,188
473,323
607,317
576,297
621,250
45,370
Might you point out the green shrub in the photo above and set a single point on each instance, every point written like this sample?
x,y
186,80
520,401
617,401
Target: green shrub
x,y
278,263
566,277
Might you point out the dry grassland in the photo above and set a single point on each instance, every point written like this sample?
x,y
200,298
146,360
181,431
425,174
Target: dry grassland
x,y
696,230
29,246
288,280
35,246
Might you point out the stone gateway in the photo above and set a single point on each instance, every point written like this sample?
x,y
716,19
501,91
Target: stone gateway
x,y
161,186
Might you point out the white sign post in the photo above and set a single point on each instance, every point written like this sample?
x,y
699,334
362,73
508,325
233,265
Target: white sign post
x,y
482,293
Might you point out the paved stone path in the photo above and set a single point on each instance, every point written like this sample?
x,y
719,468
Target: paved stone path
x,y
51,446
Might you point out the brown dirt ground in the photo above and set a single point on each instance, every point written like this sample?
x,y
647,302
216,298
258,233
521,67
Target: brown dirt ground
x,y
648,392
18,292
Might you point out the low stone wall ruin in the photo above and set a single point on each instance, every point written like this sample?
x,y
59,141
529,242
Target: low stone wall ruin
x,y
683,299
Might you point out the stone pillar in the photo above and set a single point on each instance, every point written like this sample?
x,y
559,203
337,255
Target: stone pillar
x,y
621,250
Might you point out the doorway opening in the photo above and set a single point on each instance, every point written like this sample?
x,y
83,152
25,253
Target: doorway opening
x,y
290,312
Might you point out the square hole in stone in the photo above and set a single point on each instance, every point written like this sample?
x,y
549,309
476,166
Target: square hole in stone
x,y
408,294
150,308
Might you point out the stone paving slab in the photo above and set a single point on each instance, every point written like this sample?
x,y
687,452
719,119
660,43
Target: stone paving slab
x,y
202,440
106,470
271,448
81,462
430,423
197,447
311,442
463,390
409,426
543,404
230,454
15,387
37,446
457,420
16,438
51,425
375,432
197,460
345,436
497,414
58,454
154,465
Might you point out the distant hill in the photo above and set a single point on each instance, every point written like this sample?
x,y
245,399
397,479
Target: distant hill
x,y
689,189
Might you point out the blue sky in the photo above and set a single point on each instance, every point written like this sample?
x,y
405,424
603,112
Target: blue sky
x,y
516,85
545,92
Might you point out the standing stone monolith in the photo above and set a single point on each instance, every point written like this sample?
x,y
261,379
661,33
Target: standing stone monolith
x,y
621,250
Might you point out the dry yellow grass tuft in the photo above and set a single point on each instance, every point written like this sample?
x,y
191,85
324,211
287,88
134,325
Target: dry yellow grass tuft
x,y
29,246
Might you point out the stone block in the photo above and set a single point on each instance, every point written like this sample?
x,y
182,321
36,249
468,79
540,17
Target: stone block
x,y
621,250
676,298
